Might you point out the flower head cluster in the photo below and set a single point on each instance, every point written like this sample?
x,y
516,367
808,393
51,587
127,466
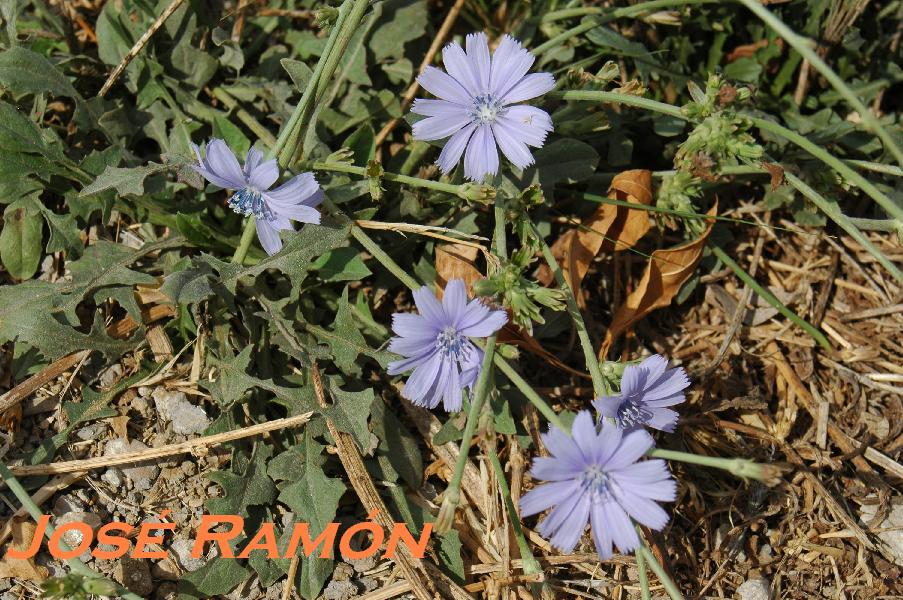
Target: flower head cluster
x,y
294,200
476,106
596,476
435,344
647,389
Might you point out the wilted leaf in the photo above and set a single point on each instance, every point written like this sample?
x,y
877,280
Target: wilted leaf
x,y
456,261
665,273
23,531
609,228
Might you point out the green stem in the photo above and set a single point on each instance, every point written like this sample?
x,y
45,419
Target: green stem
x,y
453,494
670,587
449,188
641,568
835,163
804,47
247,236
34,512
527,390
531,565
832,210
885,225
739,467
589,354
384,259
616,98
604,16
817,335
245,117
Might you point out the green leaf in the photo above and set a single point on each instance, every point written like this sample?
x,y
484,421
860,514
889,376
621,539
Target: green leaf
x,y
217,577
235,138
232,380
251,487
314,499
20,240
449,551
299,72
341,264
402,22
566,160
25,72
398,445
745,69
126,181
350,412
24,147
65,236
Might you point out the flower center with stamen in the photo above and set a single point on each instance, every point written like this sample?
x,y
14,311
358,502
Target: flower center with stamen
x,y
596,481
451,343
631,413
486,109
248,201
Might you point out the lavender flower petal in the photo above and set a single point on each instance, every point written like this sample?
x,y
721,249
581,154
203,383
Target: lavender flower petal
x,y
268,236
510,63
454,148
443,86
478,53
481,158
437,128
531,86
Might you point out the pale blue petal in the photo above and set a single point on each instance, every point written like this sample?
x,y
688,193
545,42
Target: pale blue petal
x,y
531,86
264,175
548,468
482,157
633,446
411,346
546,496
459,66
648,478
268,236
478,53
437,108
514,150
510,62
632,381
527,124
422,381
296,212
454,301
221,162
252,159
444,86
608,405
574,521
451,399
430,308
601,532
620,527
413,326
646,512
489,324
301,189
583,430
437,128
454,148
396,367
663,419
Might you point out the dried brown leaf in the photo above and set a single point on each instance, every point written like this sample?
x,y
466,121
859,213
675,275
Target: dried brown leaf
x,y
23,530
609,228
666,271
456,261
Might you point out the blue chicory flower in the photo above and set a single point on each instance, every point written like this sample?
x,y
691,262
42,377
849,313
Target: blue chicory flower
x,y
294,200
646,390
475,106
594,476
436,345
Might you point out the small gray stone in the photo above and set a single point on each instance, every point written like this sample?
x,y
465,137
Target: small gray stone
x,y
145,391
141,477
186,418
93,431
110,375
135,575
892,534
74,538
339,590
754,589
182,549
114,477
67,504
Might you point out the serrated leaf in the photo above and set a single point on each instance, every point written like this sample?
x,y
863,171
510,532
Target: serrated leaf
x,y
232,379
25,72
313,499
346,341
215,578
251,487
126,181
350,412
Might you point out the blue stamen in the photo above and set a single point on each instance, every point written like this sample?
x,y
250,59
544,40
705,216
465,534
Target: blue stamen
x,y
450,343
632,413
248,201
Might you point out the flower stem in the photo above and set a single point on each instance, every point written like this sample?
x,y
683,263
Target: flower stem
x,y
527,390
663,577
739,467
592,363
616,98
449,188
644,577
384,259
247,236
530,564
618,13
817,335
803,46
453,494
32,509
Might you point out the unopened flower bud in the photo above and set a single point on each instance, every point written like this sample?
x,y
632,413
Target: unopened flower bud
x,y
475,192
664,17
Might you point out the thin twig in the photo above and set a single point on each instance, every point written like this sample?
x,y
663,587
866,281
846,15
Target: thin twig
x,y
75,466
40,379
430,54
138,47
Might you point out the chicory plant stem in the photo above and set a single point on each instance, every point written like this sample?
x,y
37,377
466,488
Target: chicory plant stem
x,y
449,188
670,587
527,390
592,363
247,236
804,47
641,569
446,517
32,509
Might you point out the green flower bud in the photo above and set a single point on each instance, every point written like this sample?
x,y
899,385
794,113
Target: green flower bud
x,y
474,192
374,175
